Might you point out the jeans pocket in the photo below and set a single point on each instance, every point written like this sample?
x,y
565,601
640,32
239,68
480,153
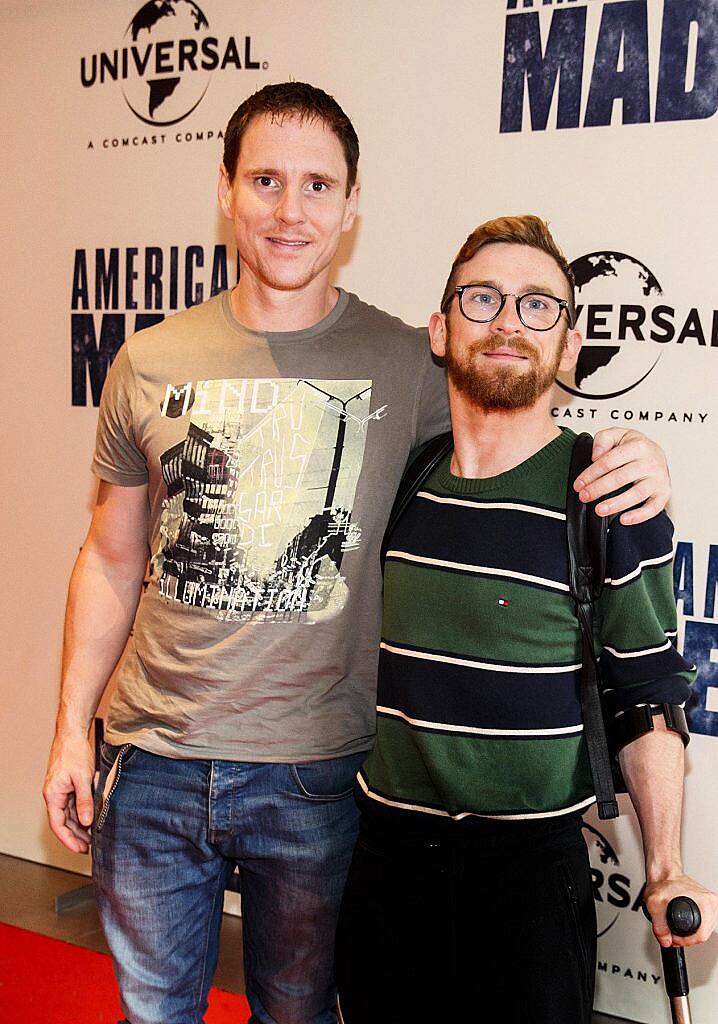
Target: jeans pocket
x,y
371,849
109,752
571,894
111,780
332,779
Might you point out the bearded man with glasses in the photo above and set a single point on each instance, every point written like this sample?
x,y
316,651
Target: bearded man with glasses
x,y
470,876
483,303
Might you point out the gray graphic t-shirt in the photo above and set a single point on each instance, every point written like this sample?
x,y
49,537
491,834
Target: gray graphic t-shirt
x,y
272,461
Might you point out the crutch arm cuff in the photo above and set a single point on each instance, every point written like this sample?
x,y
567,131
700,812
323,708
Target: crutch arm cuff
x,y
631,724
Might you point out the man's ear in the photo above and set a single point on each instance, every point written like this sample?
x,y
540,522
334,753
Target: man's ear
x,y
224,192
437,334
571,350
352,205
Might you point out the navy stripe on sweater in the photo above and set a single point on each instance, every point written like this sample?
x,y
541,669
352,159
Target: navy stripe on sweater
x,y
457,695
509,540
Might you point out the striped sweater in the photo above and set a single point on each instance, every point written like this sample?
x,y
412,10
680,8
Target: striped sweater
x,y
478,698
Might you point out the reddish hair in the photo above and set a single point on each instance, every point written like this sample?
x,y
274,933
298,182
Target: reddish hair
x,y
525,230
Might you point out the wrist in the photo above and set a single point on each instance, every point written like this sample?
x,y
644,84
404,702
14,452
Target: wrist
x,y
661,869
71,727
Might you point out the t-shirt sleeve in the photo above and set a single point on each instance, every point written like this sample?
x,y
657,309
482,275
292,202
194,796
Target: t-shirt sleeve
x,y
431,413
117,458
637,620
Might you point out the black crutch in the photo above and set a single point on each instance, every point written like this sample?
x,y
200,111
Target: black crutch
x,y
684,918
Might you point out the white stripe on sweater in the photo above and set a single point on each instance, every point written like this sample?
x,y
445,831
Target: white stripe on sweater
x,y
483,569
480,506
567,730
472,814
428,656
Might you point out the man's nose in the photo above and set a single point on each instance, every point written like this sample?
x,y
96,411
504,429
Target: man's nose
x,y
508,322
290,208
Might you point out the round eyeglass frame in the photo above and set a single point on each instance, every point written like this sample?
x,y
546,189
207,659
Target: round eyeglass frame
x,y
461,288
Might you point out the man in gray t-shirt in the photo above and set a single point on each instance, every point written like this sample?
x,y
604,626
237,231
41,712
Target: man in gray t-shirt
x,y
250,447
271,459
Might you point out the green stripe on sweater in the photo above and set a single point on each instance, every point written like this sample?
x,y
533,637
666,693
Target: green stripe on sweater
x,y
461,613
652,594
492,775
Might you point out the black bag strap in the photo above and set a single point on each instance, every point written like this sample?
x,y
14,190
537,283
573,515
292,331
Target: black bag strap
x,y
419,469
586,535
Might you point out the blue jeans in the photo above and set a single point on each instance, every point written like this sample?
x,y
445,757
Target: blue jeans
x,y
167,836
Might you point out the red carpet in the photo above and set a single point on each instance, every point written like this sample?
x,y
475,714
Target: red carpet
x,y
44,981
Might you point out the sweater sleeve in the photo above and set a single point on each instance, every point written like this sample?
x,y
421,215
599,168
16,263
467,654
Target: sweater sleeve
x,y
637,621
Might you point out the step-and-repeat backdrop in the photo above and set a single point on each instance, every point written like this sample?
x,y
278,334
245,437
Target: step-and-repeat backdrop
x,y
596,114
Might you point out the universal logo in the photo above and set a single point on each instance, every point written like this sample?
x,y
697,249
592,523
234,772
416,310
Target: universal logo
x,y
626,324
613,890
166,60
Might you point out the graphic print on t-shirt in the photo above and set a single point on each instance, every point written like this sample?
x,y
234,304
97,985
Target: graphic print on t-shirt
x,y
260,493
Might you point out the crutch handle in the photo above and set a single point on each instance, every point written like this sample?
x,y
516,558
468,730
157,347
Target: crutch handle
x,y
682,914
675,973
684,918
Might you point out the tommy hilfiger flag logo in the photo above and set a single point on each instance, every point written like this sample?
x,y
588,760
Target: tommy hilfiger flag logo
x,y
503,602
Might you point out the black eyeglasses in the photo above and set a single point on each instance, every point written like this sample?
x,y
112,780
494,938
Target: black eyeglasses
x,y
482,303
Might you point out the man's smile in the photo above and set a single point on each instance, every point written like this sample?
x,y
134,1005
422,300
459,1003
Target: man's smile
x,y
501,354
287,243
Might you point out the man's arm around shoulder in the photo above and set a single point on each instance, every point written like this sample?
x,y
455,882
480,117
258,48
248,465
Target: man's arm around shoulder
x,y
105,588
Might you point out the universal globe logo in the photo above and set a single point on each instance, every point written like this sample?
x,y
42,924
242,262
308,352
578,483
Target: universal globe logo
x,y
167,97
166,61
613,890
626,324
610,364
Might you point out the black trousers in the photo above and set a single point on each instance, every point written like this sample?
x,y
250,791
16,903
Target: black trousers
x,y
493,925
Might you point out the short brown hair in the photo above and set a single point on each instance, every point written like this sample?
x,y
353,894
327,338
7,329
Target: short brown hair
x,y
525,230
292,99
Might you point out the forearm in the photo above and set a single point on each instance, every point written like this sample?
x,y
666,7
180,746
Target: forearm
x,y
653,768
101,606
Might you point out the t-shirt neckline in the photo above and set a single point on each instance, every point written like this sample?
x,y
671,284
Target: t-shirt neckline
x,y
285,337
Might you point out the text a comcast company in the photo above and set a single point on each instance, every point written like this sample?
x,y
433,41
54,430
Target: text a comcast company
x,y
158,139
